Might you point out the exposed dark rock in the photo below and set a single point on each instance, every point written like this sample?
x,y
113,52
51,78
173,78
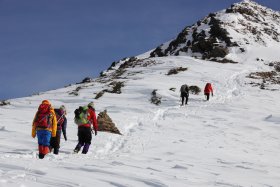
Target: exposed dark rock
x,y
4,102
277,66
242,50
116,87
176,70
100,94
106,124
87,80
194,90
157,52
218,52
76,91
224,61
155,99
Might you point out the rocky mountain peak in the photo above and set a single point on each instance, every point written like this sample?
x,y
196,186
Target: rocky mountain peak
x,y
215,36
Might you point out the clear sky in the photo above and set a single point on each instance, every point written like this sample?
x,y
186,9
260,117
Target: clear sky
x,y
48,44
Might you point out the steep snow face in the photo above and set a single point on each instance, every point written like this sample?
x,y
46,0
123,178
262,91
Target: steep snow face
x,y
219,35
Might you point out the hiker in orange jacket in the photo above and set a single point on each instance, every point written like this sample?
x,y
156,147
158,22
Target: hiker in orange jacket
x,y
44,126
208,90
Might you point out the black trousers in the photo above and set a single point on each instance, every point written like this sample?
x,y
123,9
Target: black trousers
x,y
84,138
55,142
84,135
185,98
207,96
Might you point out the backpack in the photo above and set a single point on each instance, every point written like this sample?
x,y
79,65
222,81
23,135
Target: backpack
x,y
81,115
42,119
184,88
208,88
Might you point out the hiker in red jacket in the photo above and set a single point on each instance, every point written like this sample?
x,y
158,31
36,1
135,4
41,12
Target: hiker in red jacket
x,y
85,118
208,90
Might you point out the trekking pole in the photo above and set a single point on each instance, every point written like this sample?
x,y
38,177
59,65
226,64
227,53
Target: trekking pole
x,y
60,118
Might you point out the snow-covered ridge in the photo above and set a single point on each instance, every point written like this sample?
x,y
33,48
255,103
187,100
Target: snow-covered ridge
x,y
219,35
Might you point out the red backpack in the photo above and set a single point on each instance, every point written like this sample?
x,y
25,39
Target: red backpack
x,y
42,119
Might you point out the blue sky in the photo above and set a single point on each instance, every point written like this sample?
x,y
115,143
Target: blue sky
x,y
48,44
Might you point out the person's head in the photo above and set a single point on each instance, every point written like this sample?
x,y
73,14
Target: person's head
x,y
91,105
63,109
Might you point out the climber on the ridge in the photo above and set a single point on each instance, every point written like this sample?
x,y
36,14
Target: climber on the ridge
x,y
184,94
208,90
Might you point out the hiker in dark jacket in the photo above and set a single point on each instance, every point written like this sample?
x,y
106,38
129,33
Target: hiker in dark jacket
x,y
184,94
85,118
61,127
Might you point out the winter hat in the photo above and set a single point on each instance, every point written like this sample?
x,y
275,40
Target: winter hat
x,y
91,104
46,102
62,107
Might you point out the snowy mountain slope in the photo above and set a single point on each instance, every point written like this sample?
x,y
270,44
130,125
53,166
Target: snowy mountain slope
x,y
232,140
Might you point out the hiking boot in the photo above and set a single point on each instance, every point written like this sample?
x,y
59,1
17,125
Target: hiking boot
x,y
41,155
55,151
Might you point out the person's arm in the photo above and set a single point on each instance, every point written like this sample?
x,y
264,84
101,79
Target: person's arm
x,y
94,122
33,132
54,123
64,126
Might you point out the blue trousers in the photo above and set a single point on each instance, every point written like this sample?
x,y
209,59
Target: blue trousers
x,y
44,137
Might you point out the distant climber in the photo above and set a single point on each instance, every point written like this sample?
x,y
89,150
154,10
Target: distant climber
x,y
44,125
85,118
61,127
208,90
184,94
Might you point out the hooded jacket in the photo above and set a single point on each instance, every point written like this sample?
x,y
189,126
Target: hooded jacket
x,y
208,89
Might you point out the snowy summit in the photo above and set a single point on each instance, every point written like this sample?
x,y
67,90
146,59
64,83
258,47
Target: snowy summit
x,y
232,140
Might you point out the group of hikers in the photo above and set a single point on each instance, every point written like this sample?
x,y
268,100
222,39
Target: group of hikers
x,y
185,93
49,123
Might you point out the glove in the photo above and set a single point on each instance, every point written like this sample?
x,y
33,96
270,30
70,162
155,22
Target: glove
x,y
212,94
